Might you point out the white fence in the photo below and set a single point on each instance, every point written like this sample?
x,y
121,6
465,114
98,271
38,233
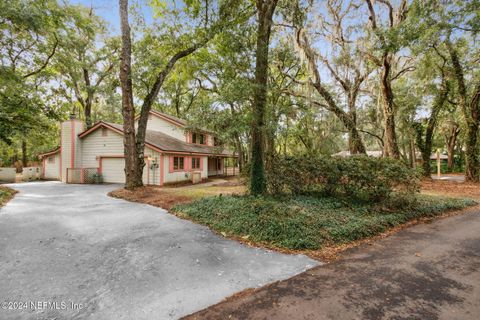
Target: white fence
x,y
28,174
8,174
31,173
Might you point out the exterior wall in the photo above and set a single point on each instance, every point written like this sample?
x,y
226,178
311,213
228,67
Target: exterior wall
x,y
151,174
71,150
95,145
209,140
51,170
156,123
109,147
178,176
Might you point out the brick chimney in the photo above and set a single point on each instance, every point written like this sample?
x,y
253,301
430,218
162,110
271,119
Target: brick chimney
x,y
70,145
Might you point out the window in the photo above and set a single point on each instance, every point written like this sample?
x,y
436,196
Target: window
x,y
198,138
195,163
216,141
51,159
219,164
178,163
104,132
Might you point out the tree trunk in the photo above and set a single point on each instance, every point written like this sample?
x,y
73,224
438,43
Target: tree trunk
x,y
128,110
413,156
88,114
240,151
269,151
265,10
87,108
472,170
355,143
385,62
450,161
349,119
451,141
390,141
426,145
470,109
24,154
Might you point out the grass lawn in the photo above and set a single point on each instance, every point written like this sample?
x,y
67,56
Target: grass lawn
x,y
306,222
5,195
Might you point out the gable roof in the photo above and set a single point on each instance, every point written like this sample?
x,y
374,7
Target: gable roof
x,y
176,121
162,141
167,117
49,153
179,121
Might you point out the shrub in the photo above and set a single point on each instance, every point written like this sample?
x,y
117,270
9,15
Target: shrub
x,y
359,177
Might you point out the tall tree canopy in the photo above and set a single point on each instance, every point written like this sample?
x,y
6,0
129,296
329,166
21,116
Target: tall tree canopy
x,y
397,77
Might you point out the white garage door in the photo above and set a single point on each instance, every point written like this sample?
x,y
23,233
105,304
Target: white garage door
x,y
113,170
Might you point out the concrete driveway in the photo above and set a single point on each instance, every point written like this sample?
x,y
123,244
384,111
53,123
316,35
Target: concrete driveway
x,y
71,252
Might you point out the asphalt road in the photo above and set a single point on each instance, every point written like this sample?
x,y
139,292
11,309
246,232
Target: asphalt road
x,y
429,271
72,252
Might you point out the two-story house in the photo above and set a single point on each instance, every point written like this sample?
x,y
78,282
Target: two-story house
x,y
172,152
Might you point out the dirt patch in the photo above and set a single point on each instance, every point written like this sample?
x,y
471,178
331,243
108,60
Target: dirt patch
x,y
451,188
168,197
151,195
185,183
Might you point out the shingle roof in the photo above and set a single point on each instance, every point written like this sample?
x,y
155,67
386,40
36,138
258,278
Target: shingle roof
x,y
167,143
50,152
175,119
178,121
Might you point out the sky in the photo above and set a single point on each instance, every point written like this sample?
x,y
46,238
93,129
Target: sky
x,y
108,9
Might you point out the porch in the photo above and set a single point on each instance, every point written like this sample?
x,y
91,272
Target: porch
x,y
222,166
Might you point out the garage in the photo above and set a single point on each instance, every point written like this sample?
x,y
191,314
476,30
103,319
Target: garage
x,y
113,170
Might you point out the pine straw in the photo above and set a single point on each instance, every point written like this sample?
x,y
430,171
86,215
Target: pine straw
x,y
151,195
451,188
167,198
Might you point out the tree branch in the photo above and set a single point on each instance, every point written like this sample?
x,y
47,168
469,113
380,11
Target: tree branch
x,y
46,61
